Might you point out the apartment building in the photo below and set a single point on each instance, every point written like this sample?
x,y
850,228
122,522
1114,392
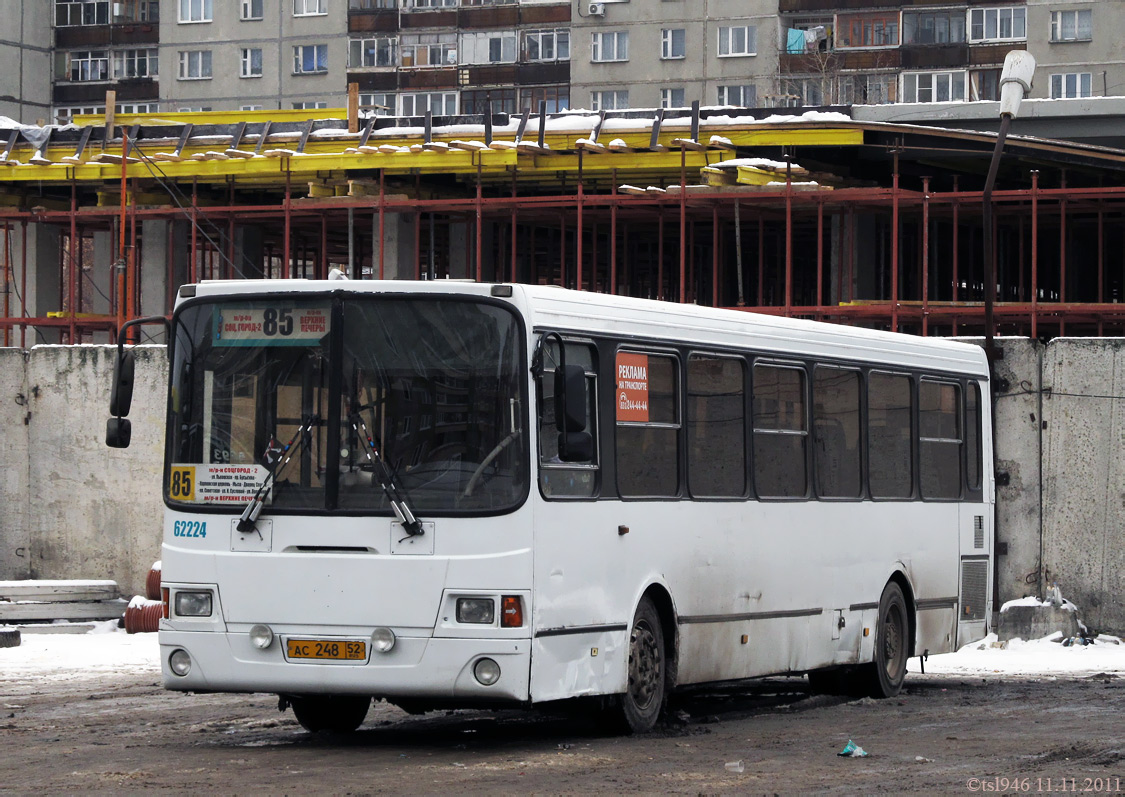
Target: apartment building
x,y
451,57
465,56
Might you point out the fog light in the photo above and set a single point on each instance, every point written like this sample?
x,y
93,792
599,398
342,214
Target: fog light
x,y
383,639
261,636
487,672
180,662
193,604
476,610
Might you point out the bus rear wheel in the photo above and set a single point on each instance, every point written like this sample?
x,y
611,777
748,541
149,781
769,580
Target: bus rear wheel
x,y
332,713
892,644
638,709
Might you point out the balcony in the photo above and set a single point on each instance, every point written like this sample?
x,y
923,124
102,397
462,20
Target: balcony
x,y
101,36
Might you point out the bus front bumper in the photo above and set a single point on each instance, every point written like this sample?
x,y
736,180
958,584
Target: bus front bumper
x,y
425,668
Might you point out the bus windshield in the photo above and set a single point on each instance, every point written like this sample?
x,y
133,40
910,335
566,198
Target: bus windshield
x,y
337,396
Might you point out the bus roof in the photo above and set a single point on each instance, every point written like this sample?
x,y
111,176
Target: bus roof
x,y
583,312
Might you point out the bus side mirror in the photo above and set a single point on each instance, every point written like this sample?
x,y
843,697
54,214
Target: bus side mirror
x,y
570,399
118,432
121,393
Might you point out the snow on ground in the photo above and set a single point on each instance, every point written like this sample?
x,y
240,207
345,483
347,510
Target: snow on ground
x,y
105,649
108,649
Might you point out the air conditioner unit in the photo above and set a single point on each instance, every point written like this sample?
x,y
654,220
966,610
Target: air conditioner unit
x,y
596,10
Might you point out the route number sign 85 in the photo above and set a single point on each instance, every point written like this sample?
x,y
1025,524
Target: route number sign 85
x,y
181,483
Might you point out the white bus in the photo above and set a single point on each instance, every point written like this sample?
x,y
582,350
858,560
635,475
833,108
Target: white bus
x,y
446,494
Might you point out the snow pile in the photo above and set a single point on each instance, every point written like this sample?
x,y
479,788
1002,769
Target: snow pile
x,y
105,649
1047,656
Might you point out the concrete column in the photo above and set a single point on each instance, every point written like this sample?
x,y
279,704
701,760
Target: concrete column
x,y
399,257
153,265
181,253
43,275
248,252
99,285
461,265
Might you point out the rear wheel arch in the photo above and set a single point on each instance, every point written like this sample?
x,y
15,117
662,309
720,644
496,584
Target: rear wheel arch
x,y
899,577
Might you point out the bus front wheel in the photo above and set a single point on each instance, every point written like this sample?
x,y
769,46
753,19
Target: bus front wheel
x,y
638,709
332,713
892,644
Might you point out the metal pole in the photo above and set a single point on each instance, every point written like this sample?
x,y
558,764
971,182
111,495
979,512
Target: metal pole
x,y
894,246
925,256
989,253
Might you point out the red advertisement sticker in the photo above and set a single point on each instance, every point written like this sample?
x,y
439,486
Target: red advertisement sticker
x,y
632,387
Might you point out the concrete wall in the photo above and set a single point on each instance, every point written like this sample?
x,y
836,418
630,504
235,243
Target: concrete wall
x,y
74,508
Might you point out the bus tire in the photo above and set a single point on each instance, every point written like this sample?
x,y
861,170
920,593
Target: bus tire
x,y
639,707
892,644
332,713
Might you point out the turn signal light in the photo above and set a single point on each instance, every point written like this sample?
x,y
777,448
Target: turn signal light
x,y
164,600
511,611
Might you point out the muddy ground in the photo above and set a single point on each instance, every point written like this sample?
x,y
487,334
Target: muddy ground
x,y
123,733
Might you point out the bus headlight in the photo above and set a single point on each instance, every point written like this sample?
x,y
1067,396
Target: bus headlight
x,y
180,662
193,604
487,672
383,639
261,636
476,610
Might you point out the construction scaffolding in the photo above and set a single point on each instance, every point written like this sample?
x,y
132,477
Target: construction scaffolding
x,y
814,216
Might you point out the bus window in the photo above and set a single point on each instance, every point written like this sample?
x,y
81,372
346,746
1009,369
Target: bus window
x,y
648,426
836,433
939,433
716,418
972,436
890,464
780,432
575,479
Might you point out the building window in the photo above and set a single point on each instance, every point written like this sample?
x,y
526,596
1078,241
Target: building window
x,y
809,91
482,101
195,10
616,100
382,51
309,106
672,98
377,104
310,59
868,89
738,96
1072,26
502,48
997,24
443,103
867,30
70,13
193,108
429,49
672,43
1070,85
554,98
610,46
738,40
368,5
935,27
195,65
83,66
251,9
138,107
251,62
250,108
547,45
432,3
65,115
136,63
933,87
308,8
984,84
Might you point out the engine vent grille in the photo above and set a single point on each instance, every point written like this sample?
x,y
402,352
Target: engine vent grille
x,y
974,589
978,531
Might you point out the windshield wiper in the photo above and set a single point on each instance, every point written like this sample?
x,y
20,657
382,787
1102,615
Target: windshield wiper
x,y
400,505
246,523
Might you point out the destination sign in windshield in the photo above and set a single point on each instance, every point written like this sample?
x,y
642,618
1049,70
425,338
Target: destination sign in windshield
x,y
271,325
